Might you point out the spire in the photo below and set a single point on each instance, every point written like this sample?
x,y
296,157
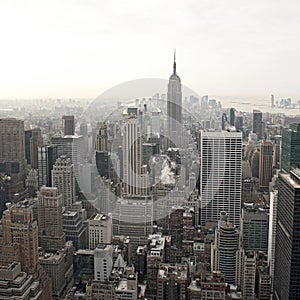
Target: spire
x,y
174,64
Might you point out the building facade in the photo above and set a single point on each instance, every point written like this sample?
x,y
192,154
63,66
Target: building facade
x,y
287,251
12,155
174,110
220,175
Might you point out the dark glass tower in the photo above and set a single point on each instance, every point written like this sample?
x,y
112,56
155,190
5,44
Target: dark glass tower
x,y
290,157
287,250
33,140
232,116
174,109
257,124
47,156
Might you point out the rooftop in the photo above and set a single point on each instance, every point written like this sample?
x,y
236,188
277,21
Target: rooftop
x,y
166,270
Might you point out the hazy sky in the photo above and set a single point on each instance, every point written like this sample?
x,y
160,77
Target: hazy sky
x,y
80,48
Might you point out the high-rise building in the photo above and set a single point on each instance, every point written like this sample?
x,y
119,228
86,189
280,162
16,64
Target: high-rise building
x,y
68,125
102,138
4,179
47,156
103,261
224,121
287,250
239,122
232,117
249,269
174,109
59,267
99,230
50,204
64,180
72,147
272,101
74,229
133,217
290,155
20,229
132,155
254,162
265,165
157,254
225,249
83,129
257,123
277,152
220,175
103,158
254,228
12,159
272,231
33,140
32,182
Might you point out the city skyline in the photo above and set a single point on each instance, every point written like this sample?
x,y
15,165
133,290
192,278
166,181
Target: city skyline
x,y
151,190
58,49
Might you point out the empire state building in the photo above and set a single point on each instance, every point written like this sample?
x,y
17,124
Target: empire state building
x,y
174,109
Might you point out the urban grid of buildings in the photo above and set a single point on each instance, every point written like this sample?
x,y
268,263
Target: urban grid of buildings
x,y
153,203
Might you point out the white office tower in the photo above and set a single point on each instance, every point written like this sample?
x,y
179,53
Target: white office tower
x,y
63,179
225,249
272,231
103,261
220,175
99,230
133,217
132,155
174,109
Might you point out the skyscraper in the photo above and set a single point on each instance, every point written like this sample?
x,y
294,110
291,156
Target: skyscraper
x,y
220,175
265,165
257,123
103,160
33,140
102,138
232,116
63,179
51,235
132,155
72,147
272,101
20,229
287,250
47,156
272,232
174,109
254,228
225,249
290,155
68,125
12,159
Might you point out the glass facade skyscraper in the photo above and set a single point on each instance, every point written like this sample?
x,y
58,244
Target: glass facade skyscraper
x,y
287,251
290,155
